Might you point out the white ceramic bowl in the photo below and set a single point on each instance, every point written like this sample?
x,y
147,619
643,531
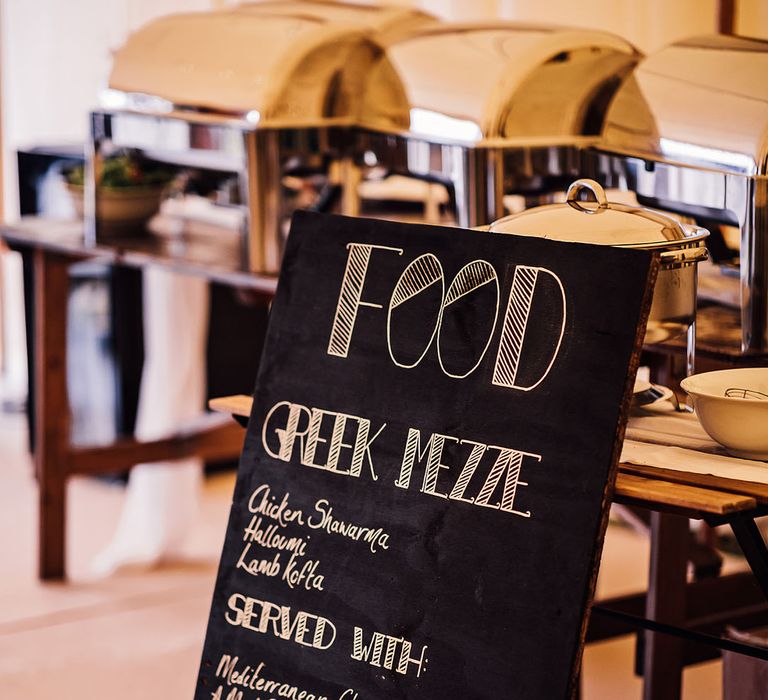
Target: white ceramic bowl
x,y
737,421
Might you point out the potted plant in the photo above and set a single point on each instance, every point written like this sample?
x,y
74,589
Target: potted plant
x,y
129,190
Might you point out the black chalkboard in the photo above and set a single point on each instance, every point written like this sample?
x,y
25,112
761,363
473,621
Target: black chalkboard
x,y
423,491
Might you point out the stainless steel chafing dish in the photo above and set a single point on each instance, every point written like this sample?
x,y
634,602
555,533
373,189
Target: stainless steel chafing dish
x,y
681,247
487,110
688,132
386,21
258,98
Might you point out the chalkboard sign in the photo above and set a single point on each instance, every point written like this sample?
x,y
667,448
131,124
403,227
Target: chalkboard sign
x,y
423,490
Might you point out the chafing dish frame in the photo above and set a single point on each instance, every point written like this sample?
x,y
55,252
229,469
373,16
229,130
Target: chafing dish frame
x,y
727,197
476,176
256,156
698,179
479,173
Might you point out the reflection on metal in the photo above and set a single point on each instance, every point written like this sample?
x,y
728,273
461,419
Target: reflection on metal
x,y
704,155
688,131
425,122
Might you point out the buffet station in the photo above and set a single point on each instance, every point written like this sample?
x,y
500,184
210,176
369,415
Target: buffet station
x,y
471,237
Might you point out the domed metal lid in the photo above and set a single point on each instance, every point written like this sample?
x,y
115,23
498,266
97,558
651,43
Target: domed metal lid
x,y
599,221
651,116
498,83
288,64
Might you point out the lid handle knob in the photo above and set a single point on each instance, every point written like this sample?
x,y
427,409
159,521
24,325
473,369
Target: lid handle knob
x,y
572,197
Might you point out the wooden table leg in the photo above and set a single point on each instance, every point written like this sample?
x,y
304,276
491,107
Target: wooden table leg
x,y
662,660
51,409
752,544
706,560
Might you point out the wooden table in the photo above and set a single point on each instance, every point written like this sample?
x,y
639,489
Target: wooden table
x,y
677,613
671,605
707,603
54,247
685,617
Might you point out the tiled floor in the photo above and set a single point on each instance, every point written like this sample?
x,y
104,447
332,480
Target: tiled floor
x,y
138,635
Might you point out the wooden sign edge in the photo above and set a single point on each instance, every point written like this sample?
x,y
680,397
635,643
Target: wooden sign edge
x,y
610,484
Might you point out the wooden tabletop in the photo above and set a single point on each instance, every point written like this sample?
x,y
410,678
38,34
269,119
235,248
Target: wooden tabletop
x,y
220,258
217,255
695,495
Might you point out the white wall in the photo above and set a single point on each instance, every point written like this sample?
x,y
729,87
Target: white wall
x,y
650,24
55,59
752,18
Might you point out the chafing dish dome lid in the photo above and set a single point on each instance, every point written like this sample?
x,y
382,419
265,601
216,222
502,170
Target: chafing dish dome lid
x,y
494,82
601,222
701,102
282,64
381,19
